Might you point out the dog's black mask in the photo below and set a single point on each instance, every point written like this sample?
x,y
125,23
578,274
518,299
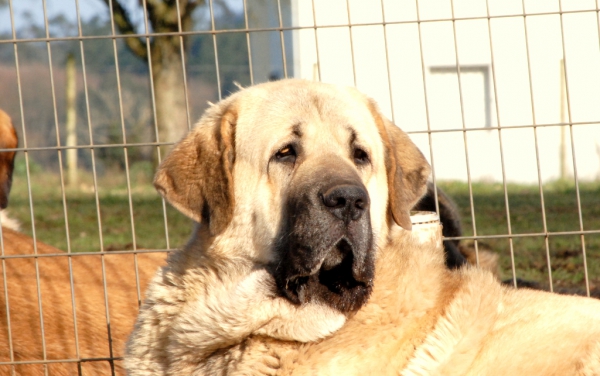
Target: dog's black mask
x,y
325,248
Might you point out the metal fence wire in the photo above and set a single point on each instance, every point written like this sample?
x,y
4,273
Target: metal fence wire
x,y
501,96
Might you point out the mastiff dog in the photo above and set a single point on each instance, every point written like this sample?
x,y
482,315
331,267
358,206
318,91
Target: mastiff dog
x,y
303,260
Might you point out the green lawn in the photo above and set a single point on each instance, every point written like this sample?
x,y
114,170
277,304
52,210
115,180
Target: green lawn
x,y
562,214
488,201
111,228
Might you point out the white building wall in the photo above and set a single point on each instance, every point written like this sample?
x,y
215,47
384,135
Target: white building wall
x,y
523,88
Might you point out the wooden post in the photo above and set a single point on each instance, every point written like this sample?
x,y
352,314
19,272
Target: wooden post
x,y
71,109
563,119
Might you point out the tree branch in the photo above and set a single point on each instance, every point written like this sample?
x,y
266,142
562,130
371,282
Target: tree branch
x,y
123,22
191,5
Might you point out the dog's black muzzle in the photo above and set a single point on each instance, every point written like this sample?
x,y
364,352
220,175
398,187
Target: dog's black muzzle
x,y
326,246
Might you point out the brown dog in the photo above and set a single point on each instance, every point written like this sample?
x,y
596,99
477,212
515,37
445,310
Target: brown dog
x,y
101,332
8,140
53,308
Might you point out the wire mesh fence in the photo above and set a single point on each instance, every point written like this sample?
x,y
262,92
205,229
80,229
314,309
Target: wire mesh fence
x,y
501,96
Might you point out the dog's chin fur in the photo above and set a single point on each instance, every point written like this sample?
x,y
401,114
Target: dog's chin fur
x,y
333,282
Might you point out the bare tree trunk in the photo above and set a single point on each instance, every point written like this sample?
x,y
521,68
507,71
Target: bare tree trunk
x,y
165,16
169,89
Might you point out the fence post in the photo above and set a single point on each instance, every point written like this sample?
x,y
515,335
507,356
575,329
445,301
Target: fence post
x,y
563,119
71,105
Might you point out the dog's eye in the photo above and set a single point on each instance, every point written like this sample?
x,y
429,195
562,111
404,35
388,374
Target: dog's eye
x,y
360,157
286,154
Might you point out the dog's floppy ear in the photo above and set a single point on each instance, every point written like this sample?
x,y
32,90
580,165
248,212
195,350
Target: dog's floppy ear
x,y
8,140
196,177
407,169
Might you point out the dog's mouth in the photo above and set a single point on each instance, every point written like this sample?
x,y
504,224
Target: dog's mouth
x,y
335,280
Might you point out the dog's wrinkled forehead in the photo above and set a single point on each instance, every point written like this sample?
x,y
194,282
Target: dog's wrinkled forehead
x,y
236,140
329,116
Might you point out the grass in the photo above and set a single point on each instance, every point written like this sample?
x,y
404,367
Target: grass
x,y
525,207
113,229
89,230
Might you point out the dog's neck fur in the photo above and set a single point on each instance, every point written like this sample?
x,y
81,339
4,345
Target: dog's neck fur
x,y
216,312
393,304
213,303
401,303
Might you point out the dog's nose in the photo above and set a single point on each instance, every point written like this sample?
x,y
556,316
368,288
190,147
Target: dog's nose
x,y
347,202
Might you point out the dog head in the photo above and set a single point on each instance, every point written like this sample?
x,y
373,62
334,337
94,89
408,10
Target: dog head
x,y
8,140
301,177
